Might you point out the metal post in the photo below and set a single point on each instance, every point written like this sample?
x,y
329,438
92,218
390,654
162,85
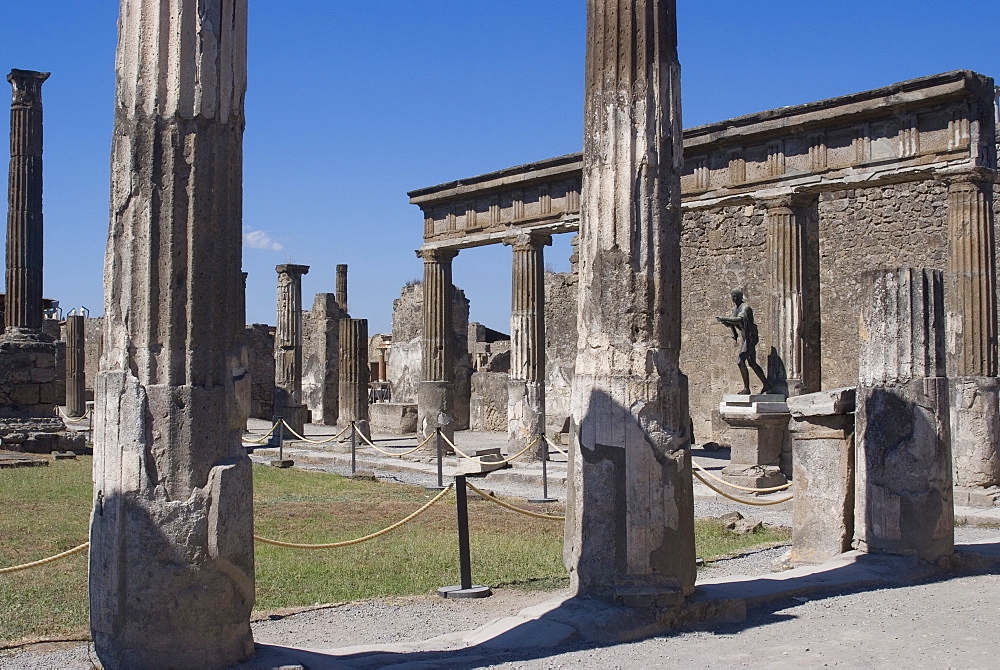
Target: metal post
x,y
440,449
465,589
281,461
545,474
354,448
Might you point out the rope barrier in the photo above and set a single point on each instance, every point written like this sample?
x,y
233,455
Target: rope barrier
x,y
476,459
372,536
264,439
514,508
755,503
389,453
303,438
556,447
70,419
35,564
772,489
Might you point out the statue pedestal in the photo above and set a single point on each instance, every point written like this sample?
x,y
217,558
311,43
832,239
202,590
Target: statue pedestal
x,y
759,426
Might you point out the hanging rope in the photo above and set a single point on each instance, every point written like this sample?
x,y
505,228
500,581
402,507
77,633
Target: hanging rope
x,y
556,447
263,439
476,459
303,438
78,419
755,503
50,559
513,508
742,488
372,536
389,453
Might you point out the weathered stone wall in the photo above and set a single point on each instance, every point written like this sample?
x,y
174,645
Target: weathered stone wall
x,y
259,340
560,347
33,378
403,361
488,406
93,334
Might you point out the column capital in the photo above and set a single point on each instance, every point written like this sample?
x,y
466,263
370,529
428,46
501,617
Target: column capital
x,y
528,239
437,255
292,270
972,178
787,201
27,87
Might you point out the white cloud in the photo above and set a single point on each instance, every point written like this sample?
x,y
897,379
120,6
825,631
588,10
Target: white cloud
x,y
259,239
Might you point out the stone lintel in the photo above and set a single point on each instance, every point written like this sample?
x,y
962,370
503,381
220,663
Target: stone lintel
x,y
831,401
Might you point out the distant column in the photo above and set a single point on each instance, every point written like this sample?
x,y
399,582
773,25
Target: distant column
x,y
24,211
171,539
630,509
785,256
354,370
972,343
434,393
76,384
526,387
288,347
903,488
321,360
342,287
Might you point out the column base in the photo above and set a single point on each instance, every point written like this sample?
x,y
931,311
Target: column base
x,y
526,419
434,400
975,432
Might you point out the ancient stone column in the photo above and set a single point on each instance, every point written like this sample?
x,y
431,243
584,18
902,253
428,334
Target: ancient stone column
x,y
972,336
382,364
171,542
903,501
630,512
354,370
434,393
76,383
785,241
288,347
24,208
321,359
342,287
526,386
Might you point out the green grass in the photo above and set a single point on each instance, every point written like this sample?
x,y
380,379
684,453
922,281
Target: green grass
x,y
46,510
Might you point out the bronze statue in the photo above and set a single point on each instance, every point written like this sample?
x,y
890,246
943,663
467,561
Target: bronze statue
x,y
742,320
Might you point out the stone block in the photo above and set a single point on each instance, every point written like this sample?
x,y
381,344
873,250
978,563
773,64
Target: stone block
x,y
489,461
393,418
832,401
975,431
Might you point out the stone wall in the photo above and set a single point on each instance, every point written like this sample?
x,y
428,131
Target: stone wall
x,y
560,347
259,340
488,407
32,378
321,358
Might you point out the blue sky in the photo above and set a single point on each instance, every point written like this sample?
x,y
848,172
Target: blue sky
x,y
353,103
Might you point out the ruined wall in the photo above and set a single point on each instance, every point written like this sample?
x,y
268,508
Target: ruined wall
x,y
403,360
321,358
560,347
93,334
260,353
488,406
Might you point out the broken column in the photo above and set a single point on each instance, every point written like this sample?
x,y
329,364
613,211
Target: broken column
x,y
354,370
288,348
23,302
822,431
435,391
630,512
972,339
342,287
904,480
171,542
526,386
321,359
76,383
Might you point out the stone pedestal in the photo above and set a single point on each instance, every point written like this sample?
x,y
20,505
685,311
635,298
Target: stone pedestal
x,y
394,418
904,470
758,435
630,507
354,370
171,541
823,466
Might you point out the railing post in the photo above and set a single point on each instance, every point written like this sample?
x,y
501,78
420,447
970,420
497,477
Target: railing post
x,y
545,474
354,448
465,589
281,461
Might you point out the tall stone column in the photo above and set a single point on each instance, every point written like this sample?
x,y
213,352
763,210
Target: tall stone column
x,y
342,287
288,347
321,359
76,384
903,502
526,387
630,512
171,541
354,370
434,393
785,258
23,316
972,335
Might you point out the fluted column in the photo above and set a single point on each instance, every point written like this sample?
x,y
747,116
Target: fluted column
x,y
76,385
342,287
630,513
288,347
171,543
434,393
972,332
785,258
354,370
903,486
526,387
24,210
